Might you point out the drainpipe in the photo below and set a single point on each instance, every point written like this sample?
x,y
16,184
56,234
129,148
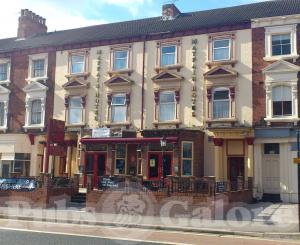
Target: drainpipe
x,y
143,84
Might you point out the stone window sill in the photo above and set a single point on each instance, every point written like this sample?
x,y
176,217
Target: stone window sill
x,y
36,79
175,122
28,127
221,62
75,125
117,124
282,119
85,75
222,120
5,82
118,72
282,57
177,67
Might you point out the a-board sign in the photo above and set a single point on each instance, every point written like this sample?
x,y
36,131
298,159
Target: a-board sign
x,y
18,184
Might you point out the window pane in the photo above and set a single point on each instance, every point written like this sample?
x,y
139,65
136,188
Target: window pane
x,y
167,112
120,166
36,112
167,97
38,68
74,116
287,108
281,44
3,72
271,148
187,150
75,102
118,99
277,108
221,109
121,151
221,43
2,113
77,64
168,55
282,93
187,167
120,60
118,113
221,49
221,95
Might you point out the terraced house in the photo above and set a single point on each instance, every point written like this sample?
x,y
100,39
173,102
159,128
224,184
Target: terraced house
x,y
166,96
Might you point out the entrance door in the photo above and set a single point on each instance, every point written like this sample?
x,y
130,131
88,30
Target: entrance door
x,y
95,167
271,174
236,168
160,165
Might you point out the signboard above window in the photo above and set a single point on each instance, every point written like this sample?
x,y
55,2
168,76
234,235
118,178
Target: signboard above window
x,y
101,133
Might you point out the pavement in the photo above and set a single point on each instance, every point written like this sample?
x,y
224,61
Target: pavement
x,y
264,220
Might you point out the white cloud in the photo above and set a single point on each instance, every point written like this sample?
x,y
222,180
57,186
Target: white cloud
x,y
58,17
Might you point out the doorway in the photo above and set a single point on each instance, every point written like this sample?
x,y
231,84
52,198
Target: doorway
x,y
236,168
159,165
95,166
5,169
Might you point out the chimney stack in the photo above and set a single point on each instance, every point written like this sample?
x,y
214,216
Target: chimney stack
x,y
170,11
30,24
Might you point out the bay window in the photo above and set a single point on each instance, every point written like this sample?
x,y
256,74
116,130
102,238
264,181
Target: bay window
x,y
282,101
118,108
75,110
187,158
167,106
221,103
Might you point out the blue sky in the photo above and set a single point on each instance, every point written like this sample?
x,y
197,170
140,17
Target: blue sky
x,y
67,14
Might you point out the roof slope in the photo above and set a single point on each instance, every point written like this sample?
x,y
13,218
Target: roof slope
x,y
188,21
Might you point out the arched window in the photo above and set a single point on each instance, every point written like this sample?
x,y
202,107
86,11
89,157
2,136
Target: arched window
x,y
282,101
36,112
221,103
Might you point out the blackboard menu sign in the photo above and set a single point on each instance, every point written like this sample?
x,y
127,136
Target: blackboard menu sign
x,y
220,187
110,183
18,184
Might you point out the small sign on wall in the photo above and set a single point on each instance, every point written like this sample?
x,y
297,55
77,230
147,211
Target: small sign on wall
x,y
101,133
152,163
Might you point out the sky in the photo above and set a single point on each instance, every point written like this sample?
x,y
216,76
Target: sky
x,y
68,14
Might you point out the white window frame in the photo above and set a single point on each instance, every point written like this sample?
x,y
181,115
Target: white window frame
x,y
282,116
68,112
113,105
8,63
4,98
114,59
281,30
31,112
229,49
175,54
191,159
84,63
229,102
32,58
175,106
28,106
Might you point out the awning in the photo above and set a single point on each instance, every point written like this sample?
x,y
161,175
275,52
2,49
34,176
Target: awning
x,y
127,140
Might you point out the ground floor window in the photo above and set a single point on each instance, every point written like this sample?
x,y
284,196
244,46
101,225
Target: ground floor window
x,y
187,158
120,162
21,164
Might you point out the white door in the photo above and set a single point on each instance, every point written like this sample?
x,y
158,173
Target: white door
x,y
271,174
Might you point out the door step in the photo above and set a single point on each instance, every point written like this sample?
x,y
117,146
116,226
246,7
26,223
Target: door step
x,y
274,198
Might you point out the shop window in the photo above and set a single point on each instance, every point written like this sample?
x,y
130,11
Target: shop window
x,y
187,158
120,162
221,49
167,106
75,110
36,112
270,149
221,103
282,101
118,108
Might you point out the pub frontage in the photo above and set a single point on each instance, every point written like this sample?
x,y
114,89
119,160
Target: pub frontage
x,y
150,154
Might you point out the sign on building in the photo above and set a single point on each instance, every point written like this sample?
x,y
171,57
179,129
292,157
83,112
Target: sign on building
x,y
101,133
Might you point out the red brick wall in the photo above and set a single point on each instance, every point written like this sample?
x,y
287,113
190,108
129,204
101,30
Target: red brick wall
x,y
19,72
259,93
